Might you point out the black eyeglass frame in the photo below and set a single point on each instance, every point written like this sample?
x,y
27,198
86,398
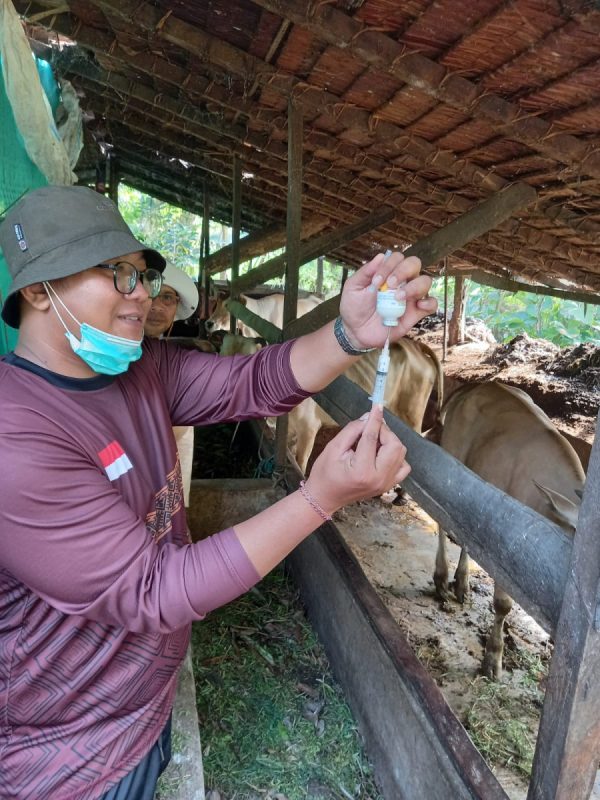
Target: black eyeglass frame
x,y
150,278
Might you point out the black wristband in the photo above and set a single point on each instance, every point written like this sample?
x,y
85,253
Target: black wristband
x,y
344,342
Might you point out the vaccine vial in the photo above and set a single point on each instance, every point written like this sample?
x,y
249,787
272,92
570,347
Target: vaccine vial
x,y
389,309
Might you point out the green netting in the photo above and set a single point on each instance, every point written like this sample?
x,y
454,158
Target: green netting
x,y
18,174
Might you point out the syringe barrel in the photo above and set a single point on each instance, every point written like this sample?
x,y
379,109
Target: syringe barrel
x,y
379,387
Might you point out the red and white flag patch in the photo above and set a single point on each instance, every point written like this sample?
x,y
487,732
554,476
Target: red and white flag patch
x,y
115,460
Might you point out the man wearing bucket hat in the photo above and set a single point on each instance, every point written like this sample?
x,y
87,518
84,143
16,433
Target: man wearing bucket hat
x,y
98,577
177,300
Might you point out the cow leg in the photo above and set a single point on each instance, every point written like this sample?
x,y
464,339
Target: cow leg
x,y
440,576
305,440
461,576
494,647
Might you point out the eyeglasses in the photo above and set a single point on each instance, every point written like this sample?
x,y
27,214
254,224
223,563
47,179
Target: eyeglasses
x,y
126,276
167,298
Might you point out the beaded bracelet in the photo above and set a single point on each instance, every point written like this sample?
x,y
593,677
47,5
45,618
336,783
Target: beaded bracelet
x,y
344,342
310,499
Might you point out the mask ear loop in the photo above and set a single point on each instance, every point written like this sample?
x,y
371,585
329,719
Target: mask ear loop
x,y
47,287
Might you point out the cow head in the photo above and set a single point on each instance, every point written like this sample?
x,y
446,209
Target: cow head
x,y
562,510
220,318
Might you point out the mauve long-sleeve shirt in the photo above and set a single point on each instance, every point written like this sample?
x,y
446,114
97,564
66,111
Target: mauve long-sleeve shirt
x,y
98,579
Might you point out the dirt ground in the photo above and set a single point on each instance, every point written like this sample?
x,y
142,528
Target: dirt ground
x,y
565,383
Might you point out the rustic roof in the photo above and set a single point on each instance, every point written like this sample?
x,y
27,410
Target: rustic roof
x,y
426,107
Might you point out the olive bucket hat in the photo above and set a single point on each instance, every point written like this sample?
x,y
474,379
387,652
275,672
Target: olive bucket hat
x,y
58,231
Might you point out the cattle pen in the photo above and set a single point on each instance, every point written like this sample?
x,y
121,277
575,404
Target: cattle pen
x,y
465,134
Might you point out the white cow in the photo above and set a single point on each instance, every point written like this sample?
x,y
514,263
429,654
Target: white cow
x,y
269,307
236,344
499,433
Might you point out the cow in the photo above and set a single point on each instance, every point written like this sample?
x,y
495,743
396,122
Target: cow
x,y
269,307
413,373
499,433
235,344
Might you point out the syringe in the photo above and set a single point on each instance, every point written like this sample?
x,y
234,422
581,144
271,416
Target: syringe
x,y
383,365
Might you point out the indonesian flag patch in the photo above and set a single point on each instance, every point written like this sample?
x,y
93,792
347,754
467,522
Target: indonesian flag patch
x,y
114,460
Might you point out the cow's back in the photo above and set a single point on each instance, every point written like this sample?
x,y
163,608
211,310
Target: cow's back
x,y
270,307
500,434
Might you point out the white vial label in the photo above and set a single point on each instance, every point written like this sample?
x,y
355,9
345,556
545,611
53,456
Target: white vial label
x,y
389,309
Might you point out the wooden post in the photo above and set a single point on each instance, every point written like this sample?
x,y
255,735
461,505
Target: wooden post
x,y
294,227
236,215
457,323
205,250
445,340
319,286
568,744
344,278
112,168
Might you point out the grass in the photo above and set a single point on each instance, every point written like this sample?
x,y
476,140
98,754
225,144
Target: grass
x,y
274,724
499,720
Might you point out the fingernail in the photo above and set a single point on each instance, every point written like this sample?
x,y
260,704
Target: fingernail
x,y
364,417
401,294
392,281
376,281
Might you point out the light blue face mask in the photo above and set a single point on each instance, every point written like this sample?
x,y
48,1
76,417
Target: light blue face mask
x,y
101,351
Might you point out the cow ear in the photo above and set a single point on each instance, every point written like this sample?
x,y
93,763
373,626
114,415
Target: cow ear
x,y
563,509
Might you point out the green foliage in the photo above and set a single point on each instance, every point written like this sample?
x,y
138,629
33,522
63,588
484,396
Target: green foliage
x,y
564,322
172,231
176,234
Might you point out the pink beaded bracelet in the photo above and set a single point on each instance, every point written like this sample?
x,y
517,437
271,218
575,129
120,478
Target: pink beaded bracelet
x,y
310,499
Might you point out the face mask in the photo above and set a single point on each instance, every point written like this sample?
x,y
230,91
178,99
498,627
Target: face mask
x,y
101,351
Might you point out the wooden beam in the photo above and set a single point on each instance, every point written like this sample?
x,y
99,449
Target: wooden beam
x,y
439,244
525,552
265,329
263,241
509,285
568,744
473,223
316,246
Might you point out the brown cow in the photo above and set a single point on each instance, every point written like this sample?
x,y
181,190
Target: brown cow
x,y
269,307
414,371
499,433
